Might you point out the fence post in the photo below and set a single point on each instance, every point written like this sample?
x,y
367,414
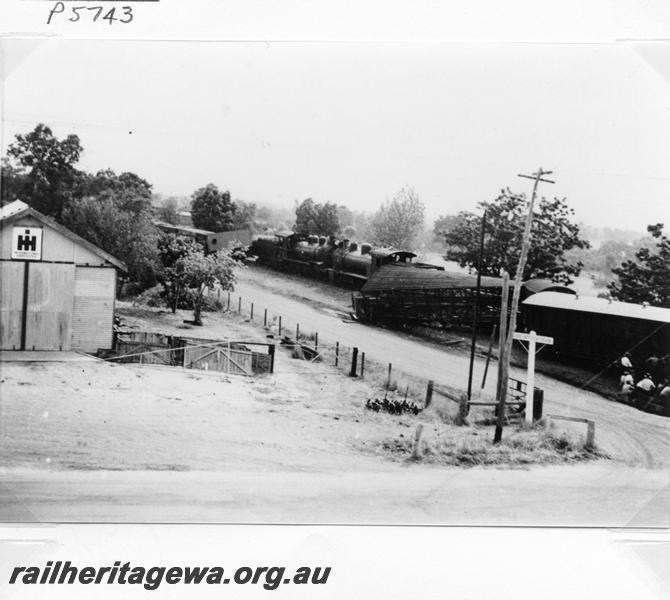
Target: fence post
x,y
265,318
388,379
316,341
271,350
590,435
463,409
228,304
239,304
362,364
429,393
297,331
416,451
354,362
252,311
279,331
337,353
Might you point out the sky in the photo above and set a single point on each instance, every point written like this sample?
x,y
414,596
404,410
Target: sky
x,y
352,123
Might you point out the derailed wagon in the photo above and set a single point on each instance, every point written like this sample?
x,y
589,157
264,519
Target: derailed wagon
x,y
395,295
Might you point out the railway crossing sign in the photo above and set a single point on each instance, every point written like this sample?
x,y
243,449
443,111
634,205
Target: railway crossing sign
x,y
539,339
532,338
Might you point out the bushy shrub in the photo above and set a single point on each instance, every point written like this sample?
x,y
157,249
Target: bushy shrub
x,y
154,297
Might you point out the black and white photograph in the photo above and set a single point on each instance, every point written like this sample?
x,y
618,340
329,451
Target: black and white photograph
x,y
335,283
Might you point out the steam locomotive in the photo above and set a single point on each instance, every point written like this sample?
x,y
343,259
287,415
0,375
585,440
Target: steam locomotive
x,y
327,258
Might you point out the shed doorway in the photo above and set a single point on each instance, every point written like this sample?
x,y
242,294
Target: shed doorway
x,y
37,313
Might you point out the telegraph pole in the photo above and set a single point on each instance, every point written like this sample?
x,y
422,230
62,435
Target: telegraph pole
x,y
475,315
504,360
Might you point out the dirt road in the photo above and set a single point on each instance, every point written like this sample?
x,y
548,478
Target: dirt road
x,y
631,435
133,443
585,495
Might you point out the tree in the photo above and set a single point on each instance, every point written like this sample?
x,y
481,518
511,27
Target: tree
x,y
399,221
647,278
168,210
328,219
318,219
203,272
363,225
13,182
444,224
349,232
243,215
171,249
552,235
306,217
129,191
130,237
345,216
212,210
47,165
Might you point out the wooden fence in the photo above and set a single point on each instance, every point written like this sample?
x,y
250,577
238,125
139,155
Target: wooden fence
x,y
234,357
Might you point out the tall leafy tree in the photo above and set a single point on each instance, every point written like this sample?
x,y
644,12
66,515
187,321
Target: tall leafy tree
x,y
647,277
552,235
399,221
129,191
328,219
212,210
49,179
130,237
314,218
306,217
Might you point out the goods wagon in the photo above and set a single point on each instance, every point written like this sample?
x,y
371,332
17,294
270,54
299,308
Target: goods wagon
x,y
400,295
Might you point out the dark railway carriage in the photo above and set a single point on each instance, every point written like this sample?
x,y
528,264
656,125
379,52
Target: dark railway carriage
x,y
596,330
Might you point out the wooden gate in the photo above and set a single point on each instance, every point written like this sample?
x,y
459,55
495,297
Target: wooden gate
x,y
234,357
219,357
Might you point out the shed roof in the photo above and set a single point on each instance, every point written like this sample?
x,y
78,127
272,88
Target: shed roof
x,y
599,305
11,208
17,210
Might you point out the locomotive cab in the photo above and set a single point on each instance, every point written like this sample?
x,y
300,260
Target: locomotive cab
x,y
386,256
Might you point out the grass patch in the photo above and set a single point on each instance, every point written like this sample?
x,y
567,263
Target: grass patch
x,y
473,446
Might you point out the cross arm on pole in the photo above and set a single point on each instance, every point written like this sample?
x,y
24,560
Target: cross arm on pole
x,y
537,178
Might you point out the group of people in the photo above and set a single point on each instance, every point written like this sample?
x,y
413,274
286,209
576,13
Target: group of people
x,y
652,386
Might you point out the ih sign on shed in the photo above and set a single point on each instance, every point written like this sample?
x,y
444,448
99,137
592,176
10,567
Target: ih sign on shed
x,y
57,290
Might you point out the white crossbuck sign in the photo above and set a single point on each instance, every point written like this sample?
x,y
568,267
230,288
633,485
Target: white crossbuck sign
x,y
532,338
